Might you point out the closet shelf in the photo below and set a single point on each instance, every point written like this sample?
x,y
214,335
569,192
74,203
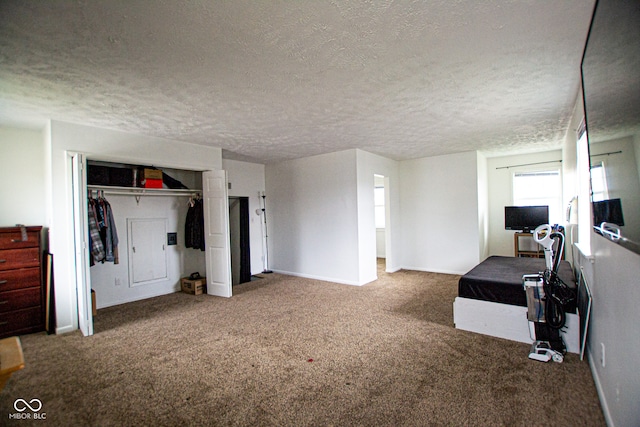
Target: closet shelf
x,y
139,191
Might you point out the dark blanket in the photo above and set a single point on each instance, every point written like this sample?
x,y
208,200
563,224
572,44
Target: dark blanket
x,y
499,279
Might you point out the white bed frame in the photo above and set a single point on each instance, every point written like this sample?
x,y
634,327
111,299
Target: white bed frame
x,y
507,321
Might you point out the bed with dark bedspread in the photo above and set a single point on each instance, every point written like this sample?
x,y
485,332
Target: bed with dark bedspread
x,y
499,279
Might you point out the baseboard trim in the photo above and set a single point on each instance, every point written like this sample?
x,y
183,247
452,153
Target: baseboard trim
x,y
431,270
139,297
596,380
65,329
323,278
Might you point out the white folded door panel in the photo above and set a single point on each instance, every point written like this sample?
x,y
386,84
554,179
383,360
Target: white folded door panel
x,y
216,229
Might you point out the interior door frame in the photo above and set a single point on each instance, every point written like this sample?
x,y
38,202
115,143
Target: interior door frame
x,y
389,259
240,238
245,241
388,247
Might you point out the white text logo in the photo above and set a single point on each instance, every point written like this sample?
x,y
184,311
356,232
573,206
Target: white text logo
x,y
34,405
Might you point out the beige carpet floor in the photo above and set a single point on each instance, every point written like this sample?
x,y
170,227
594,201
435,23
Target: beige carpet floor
x,y
287,351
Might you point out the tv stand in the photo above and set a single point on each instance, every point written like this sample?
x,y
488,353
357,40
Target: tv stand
x,y
527,235
519,252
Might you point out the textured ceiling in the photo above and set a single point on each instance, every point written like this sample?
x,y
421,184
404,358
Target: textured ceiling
x,y
273,80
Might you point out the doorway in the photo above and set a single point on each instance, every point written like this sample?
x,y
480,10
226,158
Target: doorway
x,y
381,206
239,240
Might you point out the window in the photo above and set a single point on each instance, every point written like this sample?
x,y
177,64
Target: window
x,y
378,200
599,182
538,189
584,204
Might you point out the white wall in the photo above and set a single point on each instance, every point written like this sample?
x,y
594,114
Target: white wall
x,y
107,145
369,165
23,177
501,195
432,200
247,180
439,213
312,216
614,320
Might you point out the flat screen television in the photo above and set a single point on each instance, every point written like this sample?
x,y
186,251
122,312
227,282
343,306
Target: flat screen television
x,y
608,211
525,218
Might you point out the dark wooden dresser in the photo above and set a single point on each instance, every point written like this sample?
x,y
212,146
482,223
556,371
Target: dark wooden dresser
x,y
22,306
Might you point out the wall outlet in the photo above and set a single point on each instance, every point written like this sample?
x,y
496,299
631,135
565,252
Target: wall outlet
x,y
602,358
118,282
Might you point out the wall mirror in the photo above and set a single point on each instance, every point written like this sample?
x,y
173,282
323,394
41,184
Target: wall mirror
x,y
611,85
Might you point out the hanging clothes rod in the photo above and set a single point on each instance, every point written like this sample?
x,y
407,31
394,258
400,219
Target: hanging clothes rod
x,y
606,154
529,164
137,191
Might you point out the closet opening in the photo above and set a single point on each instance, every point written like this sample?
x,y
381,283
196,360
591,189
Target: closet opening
x,y
239,240
154,246
380,203
138,208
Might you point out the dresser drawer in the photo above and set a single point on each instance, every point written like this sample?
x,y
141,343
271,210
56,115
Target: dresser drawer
x,y
17,300
21,321
12,238
19,279
21,289
19,258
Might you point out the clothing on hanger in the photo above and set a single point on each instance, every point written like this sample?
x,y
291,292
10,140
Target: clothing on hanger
x,y
194,225
95,241
103,236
